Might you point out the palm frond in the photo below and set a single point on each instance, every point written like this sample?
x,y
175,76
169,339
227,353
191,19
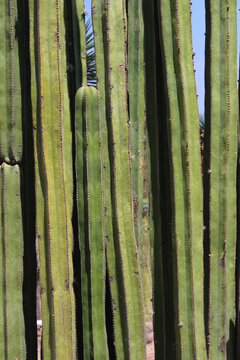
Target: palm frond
x,y
91,57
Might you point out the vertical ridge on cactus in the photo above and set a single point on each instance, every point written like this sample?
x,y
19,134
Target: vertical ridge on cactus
x,y
220,174
136,108
11,262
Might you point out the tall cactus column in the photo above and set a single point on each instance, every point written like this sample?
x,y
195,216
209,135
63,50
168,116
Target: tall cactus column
x,y
53,154
113,261
220,173
183,133
119,145
12,332
12,327
90,215
139,147
10,88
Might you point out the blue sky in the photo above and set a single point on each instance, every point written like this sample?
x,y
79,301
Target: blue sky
x,y
198,27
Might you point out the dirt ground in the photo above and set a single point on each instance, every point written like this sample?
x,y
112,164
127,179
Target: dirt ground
x,y
149,341
150,351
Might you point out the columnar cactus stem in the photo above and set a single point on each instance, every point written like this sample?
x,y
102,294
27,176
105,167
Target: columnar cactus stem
x,y
90,214
183,133
10,88
113,262
238,239
136,92
136,107
238,252
121,175
153,130
53,150
220,173
12,332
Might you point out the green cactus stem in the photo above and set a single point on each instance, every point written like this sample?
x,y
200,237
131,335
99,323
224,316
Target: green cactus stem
x,y
90,214
119,147
113,261
10,88
53,156
238,239
153,156
220,174
12,332
136,92
136,108
184,147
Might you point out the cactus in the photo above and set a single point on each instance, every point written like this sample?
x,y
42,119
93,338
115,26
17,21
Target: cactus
x,y
113,262
90,213
130,181
10,88
12,332
136,93
184,157
119,148
238,240
53,156
152,130
136,108
220,175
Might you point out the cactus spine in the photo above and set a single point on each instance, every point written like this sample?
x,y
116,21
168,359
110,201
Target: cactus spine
x,y
220,174
53,150
12,343
90,213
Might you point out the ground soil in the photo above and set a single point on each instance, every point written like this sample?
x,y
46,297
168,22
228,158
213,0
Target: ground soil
x,y
150,351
